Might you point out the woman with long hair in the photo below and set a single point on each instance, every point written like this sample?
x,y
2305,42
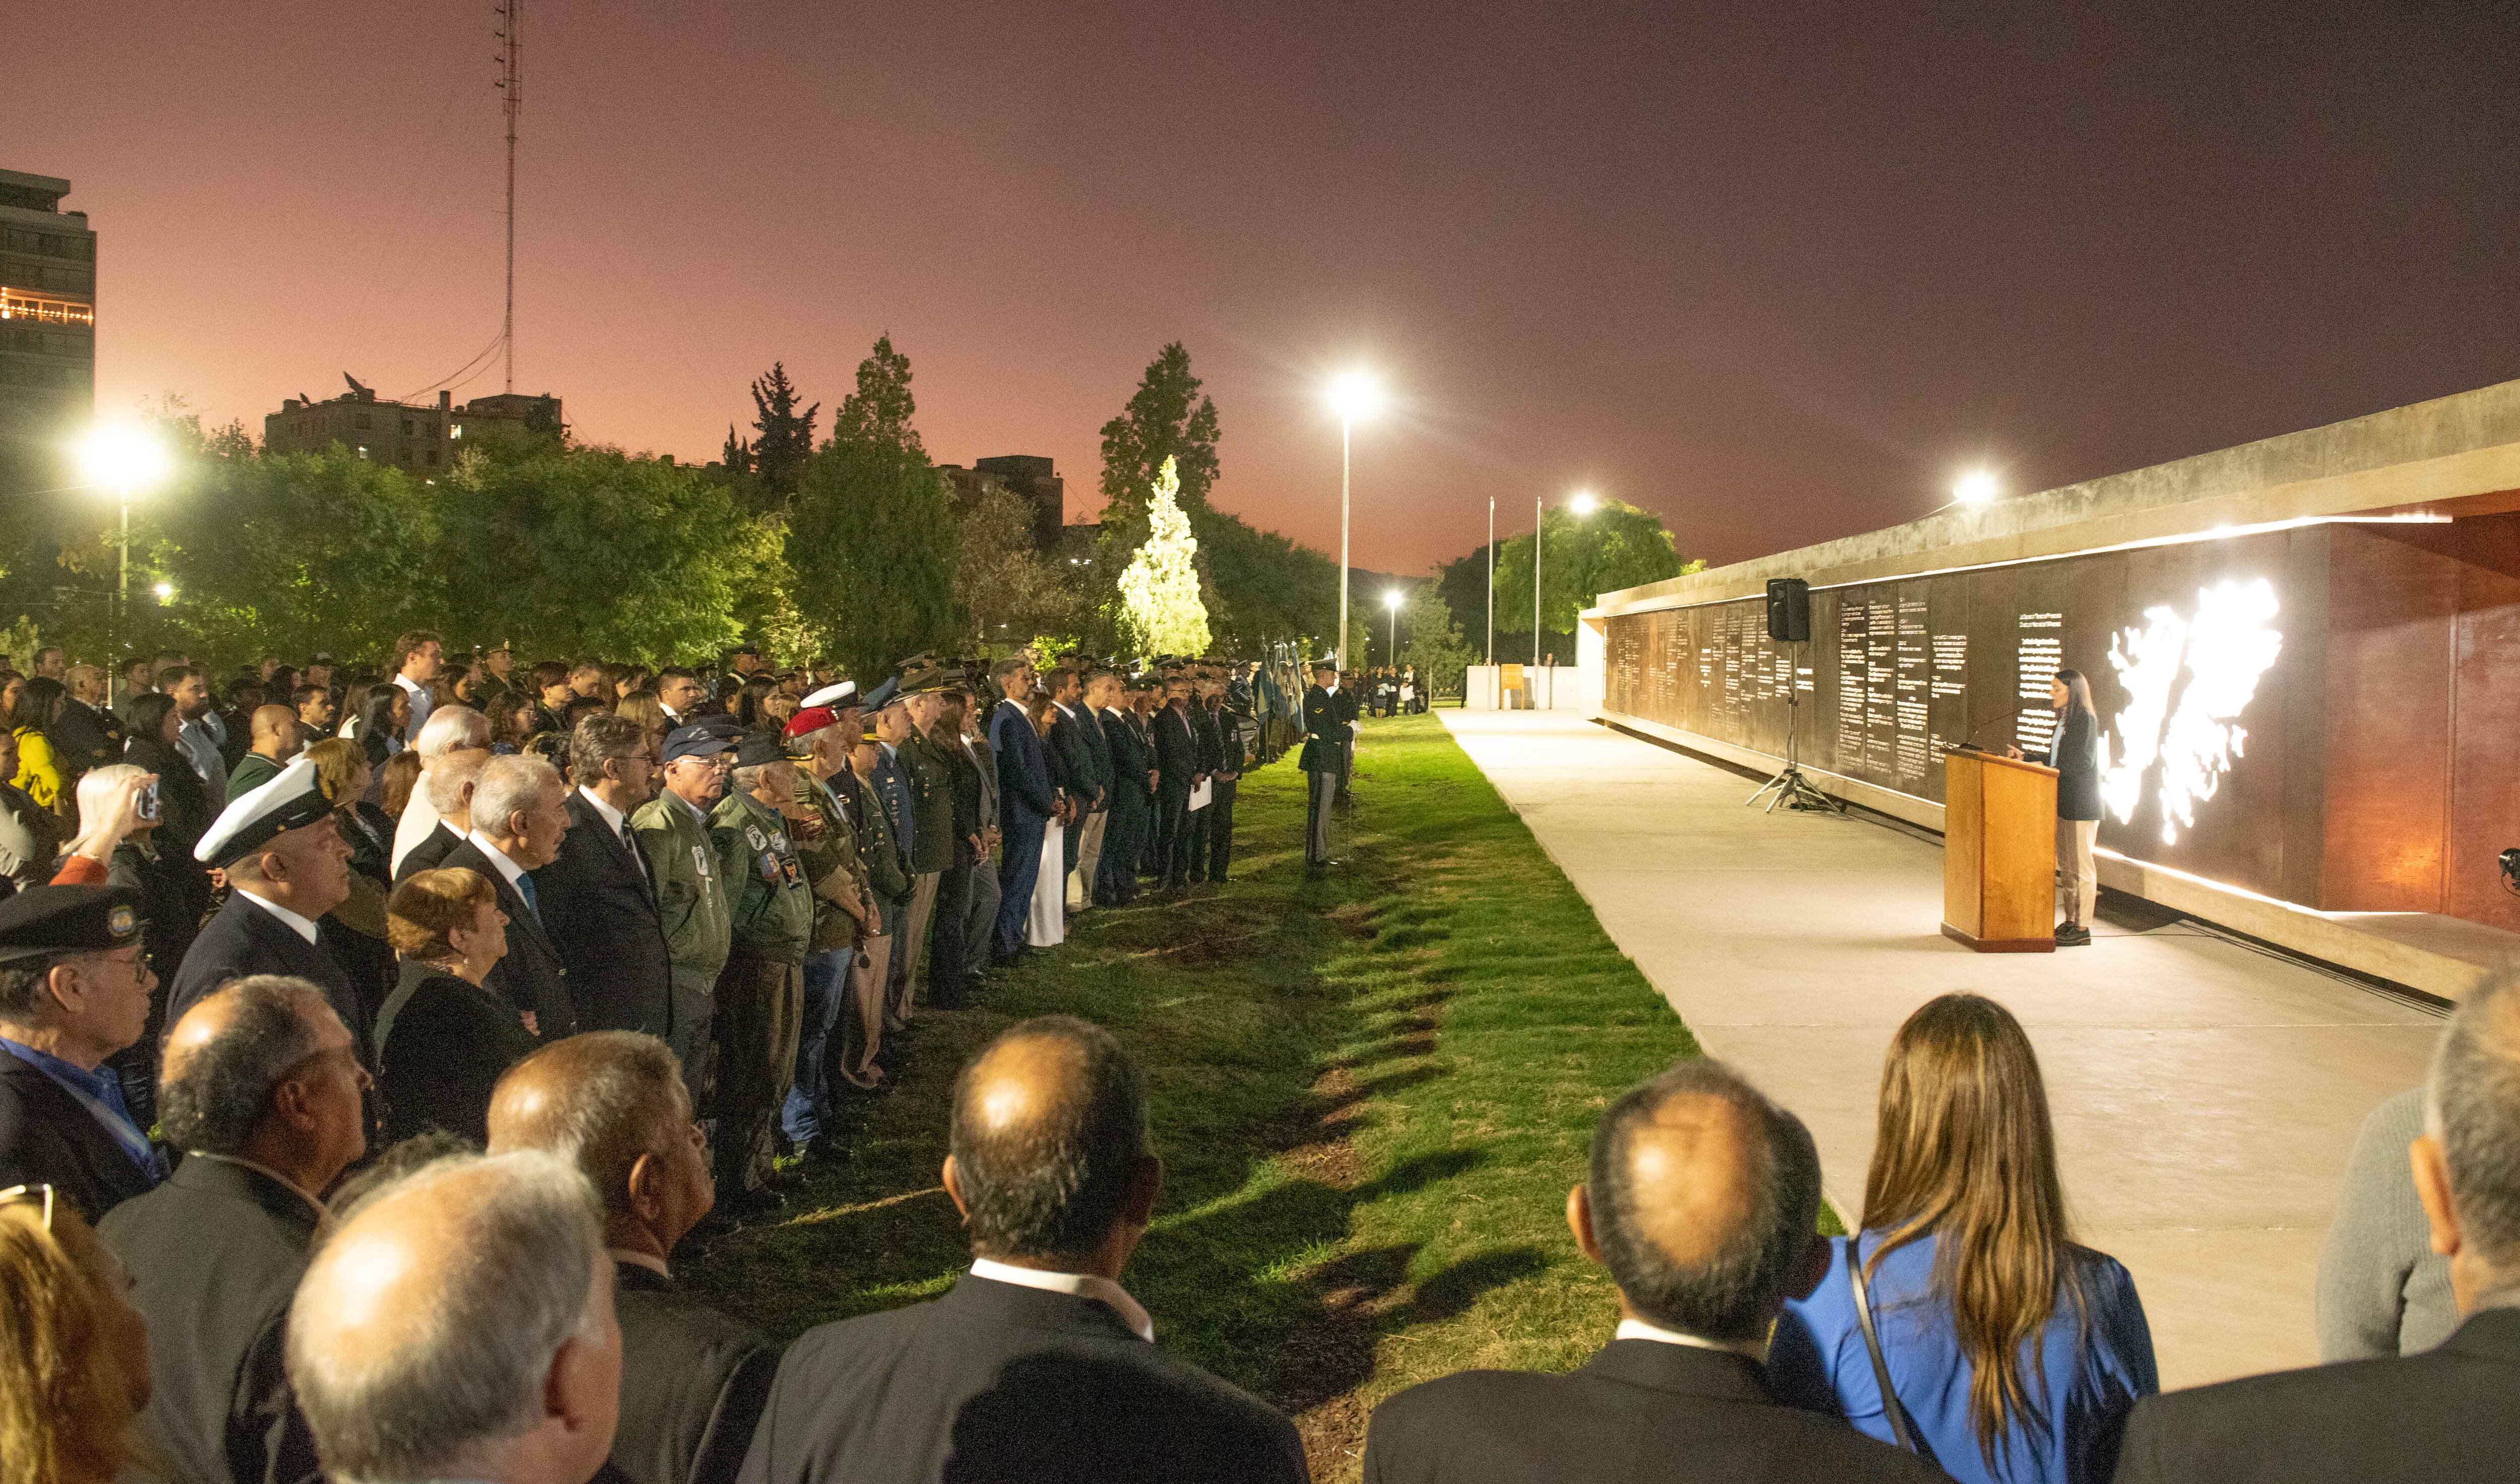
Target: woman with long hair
x,y
73,1354
381,723
1046,924
38,702
2075,755
2011,1354
184,809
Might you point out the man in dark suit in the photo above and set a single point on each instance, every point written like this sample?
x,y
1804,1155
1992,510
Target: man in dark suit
x,y
1078,764
1700,1201
598,905
1330,720
1175,774
1026,799
287,866
1133,801
692,1379
956,953
75,985
519,815
450,781
1208,750
1037,1365
85,735
263,1092
2443,1415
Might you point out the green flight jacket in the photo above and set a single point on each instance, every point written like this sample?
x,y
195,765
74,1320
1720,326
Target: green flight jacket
x,y
771,903
931,803
690,891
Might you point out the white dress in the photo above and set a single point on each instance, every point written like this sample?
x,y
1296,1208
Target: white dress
x,y
1047,924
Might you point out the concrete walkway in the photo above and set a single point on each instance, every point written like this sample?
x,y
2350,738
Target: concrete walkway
x,y
2205,1094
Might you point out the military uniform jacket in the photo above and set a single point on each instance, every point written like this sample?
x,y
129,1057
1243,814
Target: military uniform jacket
x,y
770,904
690,896
1328,717
964,775
879,845
930,780
832,865
215,1256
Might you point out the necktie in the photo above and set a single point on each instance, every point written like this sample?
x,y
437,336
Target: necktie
x,y
631,845
526,889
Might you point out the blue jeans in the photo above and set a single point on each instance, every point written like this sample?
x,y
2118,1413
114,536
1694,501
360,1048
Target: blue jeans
x,y
809,1100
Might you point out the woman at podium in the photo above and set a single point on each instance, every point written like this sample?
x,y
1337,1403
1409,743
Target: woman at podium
x,y
2075,755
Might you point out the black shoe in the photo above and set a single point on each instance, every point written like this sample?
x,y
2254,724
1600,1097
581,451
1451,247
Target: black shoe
x,y
2073,935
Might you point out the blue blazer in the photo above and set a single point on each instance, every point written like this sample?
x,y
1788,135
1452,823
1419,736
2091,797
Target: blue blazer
x,y
1024,787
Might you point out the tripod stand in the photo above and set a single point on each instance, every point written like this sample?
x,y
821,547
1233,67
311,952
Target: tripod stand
x,y
1790,787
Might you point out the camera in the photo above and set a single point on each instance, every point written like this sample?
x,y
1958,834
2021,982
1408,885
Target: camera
x,y
149,811
2510,861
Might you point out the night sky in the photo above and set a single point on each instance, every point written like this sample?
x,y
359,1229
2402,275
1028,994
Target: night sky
x,y
1778,272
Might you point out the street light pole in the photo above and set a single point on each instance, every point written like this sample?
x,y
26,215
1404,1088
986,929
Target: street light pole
x,y
1491,580
1538,515
1347,422
123,600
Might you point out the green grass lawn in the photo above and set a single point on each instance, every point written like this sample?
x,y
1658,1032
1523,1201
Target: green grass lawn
x,y
1372,1091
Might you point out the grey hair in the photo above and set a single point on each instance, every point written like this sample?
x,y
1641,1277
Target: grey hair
x,y
599,739
466,1367
215,1097
448,728
745,780
2472,1105
449,774
95,783
508,785
1733,1293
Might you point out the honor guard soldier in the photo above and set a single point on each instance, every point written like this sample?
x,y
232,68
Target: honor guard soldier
x,y
673,833
761,992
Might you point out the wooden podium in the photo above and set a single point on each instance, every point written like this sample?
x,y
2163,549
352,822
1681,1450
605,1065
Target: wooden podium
x,y
1998,853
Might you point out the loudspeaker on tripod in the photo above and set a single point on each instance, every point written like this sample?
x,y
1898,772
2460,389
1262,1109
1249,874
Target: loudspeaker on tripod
x,y
1788,609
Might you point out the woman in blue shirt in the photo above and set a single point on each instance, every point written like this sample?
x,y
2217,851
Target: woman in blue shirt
x,y
2014,1355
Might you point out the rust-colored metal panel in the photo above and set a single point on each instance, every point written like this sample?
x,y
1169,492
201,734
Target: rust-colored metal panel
x,y
2485,740
2392,603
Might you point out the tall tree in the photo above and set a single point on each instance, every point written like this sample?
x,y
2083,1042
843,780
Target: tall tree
x,y
1431,640
1007,592
1581,557
1160,610
1167,417
785,436
871,536
881,409
737,456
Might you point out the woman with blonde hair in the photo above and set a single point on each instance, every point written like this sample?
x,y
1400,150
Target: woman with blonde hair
x,y
649,713
1962,1322
73,1354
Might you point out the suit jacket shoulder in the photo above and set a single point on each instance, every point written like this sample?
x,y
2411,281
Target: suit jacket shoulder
x,y
995,1381
47,1137
2444,1414
694,1381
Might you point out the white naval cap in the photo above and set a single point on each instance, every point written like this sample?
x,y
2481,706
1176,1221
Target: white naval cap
x,y
292,800
835,697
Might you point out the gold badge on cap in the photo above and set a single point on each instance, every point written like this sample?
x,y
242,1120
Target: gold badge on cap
x,y
121,922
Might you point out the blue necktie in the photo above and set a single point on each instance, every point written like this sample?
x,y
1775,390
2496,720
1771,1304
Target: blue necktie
x,y
526,889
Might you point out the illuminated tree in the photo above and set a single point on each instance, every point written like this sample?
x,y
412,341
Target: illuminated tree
x,y
1160,612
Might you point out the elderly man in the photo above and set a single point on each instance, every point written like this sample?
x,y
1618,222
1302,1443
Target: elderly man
x,y
2444,1416
75,989
86,735
926,789
693,1380
262,1089
1700,1202
277,737
1026,799
520,814
596,896
287,865
760,993
447,787
845,917
459,1324
453,729
1037,1365
673,835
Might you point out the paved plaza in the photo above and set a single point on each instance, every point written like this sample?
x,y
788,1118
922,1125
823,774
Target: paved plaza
x,y
2206,1093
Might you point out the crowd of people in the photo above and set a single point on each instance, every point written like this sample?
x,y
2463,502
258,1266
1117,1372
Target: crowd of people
x,y
453,1069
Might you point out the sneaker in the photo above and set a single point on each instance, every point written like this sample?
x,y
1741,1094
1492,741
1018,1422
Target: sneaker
x,y
2073,935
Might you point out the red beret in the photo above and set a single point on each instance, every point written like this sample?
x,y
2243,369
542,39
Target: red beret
x,y
810,720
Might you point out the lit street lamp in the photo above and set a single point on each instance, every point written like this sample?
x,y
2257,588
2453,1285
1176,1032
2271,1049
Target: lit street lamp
x,y
1582,504
1354,396
1492,579
127,459
1976,487
1391,600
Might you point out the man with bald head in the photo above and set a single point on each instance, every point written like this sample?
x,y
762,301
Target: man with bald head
x,y
1037,1365
1701,1201
457,1324
693,1380
262,1091
277,737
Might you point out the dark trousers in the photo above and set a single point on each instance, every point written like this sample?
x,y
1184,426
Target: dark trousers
x,y
693,1035
1172,837
949,954
1124,845
1020,834
1220,830
760,1010
1194,840
1319,790
1070,840
980,919
1347,765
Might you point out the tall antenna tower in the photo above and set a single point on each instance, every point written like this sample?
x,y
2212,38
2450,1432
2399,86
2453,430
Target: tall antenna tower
x,y
512,87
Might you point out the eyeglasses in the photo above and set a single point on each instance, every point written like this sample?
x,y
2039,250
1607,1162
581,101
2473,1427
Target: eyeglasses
x,y
30,1193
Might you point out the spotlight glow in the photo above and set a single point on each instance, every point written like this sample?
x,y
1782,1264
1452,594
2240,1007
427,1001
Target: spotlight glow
x,y
1354,395
1976,487
123,457
1584,503
1391,599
